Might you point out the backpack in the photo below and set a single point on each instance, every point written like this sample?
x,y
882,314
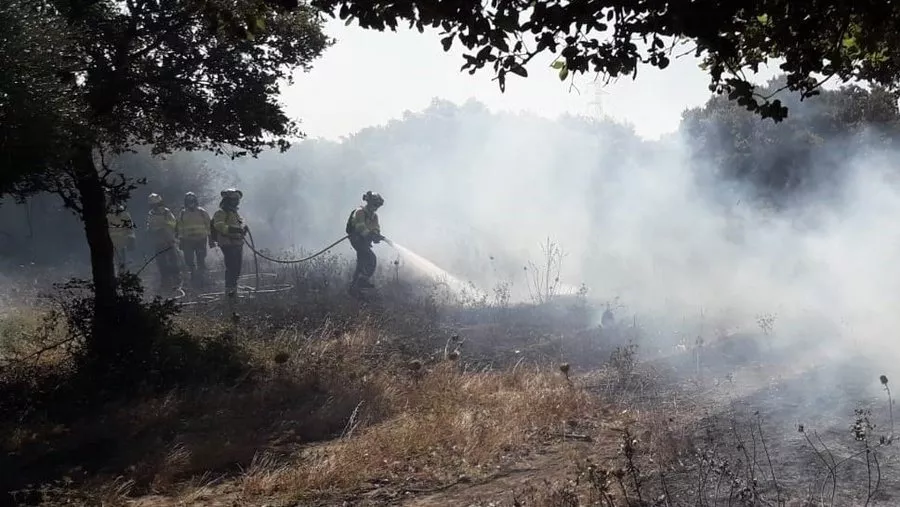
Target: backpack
x,y
349,229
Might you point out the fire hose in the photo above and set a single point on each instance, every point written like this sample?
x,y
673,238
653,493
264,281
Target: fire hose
x,y
248,240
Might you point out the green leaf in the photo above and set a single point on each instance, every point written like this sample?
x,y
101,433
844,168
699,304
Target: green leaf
x,y
558,64
563,73
519,71
877,58
763,18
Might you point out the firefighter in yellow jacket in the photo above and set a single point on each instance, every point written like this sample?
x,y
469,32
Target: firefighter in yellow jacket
x,y
162,229
228,232
121,232
363,229
193,234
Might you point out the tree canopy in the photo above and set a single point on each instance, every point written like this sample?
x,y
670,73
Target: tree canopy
x,y
808,152
118,74
815,40
39,117
154,73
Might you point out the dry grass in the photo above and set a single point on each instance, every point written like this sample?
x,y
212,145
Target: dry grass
x,y
345,402
441,423
317,414
26,330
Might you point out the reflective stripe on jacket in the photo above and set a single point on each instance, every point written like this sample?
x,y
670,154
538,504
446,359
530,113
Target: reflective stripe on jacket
x,y
193,224
222,221
365,222
161,224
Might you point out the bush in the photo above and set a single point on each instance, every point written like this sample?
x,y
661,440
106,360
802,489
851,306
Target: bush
x,y
70,368
151,354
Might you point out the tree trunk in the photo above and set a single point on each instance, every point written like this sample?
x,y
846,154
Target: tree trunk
x,y
96,229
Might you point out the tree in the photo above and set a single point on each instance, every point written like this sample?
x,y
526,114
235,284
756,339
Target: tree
x,y
816,40
38,117
807,152
164,73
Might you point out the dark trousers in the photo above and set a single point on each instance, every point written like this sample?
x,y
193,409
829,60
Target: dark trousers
x,y
234,257
195,256
365,259
169,271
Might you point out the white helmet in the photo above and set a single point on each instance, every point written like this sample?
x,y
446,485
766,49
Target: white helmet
x,y
154,199
231,193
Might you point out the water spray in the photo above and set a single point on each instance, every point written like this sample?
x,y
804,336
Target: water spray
x,y
431,269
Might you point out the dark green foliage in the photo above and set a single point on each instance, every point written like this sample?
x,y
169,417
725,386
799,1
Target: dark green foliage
x,y
838,38
150,353
808,152
156,73
102,74
38,115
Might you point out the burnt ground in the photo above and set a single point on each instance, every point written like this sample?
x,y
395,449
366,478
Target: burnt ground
x,y
780,425
730,430
809,420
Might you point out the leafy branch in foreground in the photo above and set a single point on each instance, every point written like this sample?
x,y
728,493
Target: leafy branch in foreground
x,y
815,41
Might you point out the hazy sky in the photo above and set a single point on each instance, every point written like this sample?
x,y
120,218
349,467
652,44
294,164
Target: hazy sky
x,y
369,77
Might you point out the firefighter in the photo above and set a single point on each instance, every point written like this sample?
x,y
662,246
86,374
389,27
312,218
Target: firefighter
x,y
193,234
162,227
121,232
363,230
229,231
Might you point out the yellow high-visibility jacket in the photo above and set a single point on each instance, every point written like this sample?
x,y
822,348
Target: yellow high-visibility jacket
x,y
121,227
222,221
162,226
193,224
365,222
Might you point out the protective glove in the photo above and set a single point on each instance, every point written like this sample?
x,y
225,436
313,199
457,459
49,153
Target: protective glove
x,y
212,244
376,238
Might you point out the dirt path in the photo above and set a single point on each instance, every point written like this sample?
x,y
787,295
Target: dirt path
x,y
553,464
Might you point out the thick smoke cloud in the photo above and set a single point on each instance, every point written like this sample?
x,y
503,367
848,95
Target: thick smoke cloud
x,y
648,222
682,229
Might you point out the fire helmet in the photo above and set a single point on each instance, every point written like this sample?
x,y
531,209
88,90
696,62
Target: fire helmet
x,y
232,193
372,198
